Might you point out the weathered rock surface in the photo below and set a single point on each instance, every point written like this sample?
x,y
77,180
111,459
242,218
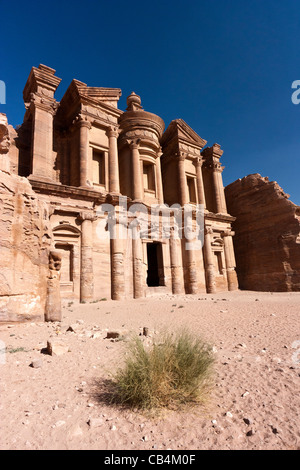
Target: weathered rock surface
x,y
57,347
267,235
8,149
25,238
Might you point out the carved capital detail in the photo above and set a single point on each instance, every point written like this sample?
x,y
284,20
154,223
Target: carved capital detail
x,y
45,103
198,162
182,156
134,144
216,166
87,216
208,231
227,233
82,121
113,131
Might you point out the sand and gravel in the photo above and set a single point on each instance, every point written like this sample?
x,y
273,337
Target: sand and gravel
x,y
55,402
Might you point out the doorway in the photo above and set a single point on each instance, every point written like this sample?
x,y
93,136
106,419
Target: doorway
x,y
67,269
155,265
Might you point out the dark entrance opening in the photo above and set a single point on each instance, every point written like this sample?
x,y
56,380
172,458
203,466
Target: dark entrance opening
x,y
153,257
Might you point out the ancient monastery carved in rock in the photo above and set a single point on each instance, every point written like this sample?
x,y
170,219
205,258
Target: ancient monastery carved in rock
x,y
66,160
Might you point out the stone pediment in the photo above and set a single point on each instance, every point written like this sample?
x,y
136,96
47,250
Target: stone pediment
x,y
181,132
93,99
109,96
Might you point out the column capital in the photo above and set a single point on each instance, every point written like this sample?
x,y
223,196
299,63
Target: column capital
x,y
198,162
82,121
134,144
181,156
87,216
159,152
217,167
113,131
208,231
227,233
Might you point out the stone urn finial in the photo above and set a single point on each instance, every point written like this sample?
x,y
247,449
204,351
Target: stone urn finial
x,y
134,102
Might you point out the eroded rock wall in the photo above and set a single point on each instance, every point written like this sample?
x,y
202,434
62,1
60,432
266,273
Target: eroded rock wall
x,y
267,235
25,239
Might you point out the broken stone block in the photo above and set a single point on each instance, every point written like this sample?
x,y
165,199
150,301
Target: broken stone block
x,y
57,348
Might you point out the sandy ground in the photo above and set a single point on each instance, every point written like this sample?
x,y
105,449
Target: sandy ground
x,y
254,403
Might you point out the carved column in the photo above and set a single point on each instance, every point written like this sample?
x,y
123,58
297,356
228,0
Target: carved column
x,y
191,268
137,259
176,271
136,170
212,157
209,261
84,127
200,185
159,185
117,264
113,162
183,196
219,188
86,264
53,301
230,260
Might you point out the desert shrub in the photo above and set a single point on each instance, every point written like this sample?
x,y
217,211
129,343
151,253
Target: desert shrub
x,y
176,370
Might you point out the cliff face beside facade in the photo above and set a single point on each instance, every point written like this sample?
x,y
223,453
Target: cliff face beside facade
x,y
267,235
25,239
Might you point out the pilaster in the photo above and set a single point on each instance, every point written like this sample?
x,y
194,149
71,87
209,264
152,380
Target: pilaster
x,y
41,105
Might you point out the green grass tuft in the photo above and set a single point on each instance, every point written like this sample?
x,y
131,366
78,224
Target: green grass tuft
x,y
176,370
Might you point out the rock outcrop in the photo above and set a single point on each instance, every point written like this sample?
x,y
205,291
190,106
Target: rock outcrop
x,y
25,239
267,235
8,148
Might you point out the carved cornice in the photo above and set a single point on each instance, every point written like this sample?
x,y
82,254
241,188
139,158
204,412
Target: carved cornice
x,y
95,103
141,121
40,101
41,80
183,134
212,157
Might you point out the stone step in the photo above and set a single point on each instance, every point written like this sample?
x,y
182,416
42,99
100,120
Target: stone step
x,y
159,290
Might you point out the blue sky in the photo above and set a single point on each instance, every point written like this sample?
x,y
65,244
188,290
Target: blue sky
x,y
226,67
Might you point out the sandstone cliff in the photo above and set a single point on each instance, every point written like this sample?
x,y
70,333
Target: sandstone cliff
x,y
267,235
25,239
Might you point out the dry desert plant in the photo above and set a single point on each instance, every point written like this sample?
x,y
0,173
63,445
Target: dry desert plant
x,y
176,370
